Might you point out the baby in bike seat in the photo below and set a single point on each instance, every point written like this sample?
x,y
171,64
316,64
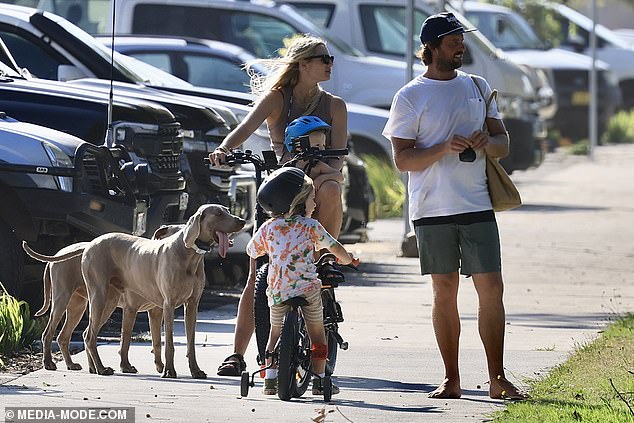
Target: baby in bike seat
x,y
290,238
310,132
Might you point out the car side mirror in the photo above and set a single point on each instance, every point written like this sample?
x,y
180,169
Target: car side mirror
x,y
69,72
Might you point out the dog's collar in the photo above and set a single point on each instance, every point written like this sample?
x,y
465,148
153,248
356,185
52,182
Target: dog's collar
x,y
201,247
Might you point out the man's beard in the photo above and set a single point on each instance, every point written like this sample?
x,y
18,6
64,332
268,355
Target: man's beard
x,y
448,65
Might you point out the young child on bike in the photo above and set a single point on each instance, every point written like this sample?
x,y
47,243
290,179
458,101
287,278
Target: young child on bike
x,y
310,131
290,238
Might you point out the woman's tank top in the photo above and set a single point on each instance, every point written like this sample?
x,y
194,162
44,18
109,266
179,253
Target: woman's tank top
x,y
276,131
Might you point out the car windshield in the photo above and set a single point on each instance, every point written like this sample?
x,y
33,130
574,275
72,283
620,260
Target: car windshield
x,y
507,31
341,45
586,23
152,75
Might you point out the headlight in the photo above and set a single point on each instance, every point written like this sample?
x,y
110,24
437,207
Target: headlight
x,y
59,159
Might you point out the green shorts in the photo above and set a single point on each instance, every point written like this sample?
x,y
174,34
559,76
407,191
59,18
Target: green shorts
x,y
469,242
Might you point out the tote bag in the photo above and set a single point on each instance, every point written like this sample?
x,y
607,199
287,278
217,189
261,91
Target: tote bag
x,y
503,192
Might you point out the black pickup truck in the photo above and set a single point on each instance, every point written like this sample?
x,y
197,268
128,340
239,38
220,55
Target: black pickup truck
x,y
58,189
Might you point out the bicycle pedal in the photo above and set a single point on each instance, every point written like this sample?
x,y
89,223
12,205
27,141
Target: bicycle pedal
x,y
344,345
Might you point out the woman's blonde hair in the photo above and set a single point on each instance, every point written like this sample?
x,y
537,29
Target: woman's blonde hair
x,y
298,205
284,70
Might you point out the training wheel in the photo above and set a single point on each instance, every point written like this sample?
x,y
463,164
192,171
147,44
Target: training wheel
x,y
326,384
245,382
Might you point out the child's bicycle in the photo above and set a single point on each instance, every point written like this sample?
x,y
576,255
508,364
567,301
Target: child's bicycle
x,y
293,349
292,353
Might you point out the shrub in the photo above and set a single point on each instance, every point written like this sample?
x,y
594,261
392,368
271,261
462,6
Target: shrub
x,y
389,189
620,129
17,328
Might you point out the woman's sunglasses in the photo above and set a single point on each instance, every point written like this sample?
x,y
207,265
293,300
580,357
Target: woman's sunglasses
x,y
325,59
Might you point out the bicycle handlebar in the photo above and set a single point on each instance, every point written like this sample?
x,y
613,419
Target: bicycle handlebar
x,y
269,162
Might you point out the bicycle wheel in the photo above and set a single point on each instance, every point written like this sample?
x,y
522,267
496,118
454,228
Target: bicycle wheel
x,y
333,348
303,364
288,347
261,312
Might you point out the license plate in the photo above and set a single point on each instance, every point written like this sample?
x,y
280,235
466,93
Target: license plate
x,y
580,98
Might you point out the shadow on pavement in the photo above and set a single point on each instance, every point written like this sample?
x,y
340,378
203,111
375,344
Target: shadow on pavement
x,y
556,208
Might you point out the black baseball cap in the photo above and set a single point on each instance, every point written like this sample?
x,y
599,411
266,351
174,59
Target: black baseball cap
x,y
437,26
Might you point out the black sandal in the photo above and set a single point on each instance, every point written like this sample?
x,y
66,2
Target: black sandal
x,y
233,365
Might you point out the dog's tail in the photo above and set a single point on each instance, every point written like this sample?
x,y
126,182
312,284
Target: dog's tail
x,y
47,291
51,259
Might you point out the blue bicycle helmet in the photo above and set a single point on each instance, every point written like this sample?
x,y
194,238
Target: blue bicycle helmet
x,y
301,126
279,189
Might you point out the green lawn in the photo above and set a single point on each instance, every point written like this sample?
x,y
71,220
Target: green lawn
x,y
596,384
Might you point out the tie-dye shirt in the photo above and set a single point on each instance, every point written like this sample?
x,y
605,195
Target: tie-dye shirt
x,y
290,244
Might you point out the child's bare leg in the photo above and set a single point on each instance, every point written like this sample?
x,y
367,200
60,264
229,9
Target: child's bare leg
x,y
317,337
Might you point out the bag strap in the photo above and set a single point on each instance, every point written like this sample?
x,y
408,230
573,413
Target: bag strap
x,y
494,94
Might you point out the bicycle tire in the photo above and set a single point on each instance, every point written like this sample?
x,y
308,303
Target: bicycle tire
x,y
303,364
261,312
333,348
288,347
326,385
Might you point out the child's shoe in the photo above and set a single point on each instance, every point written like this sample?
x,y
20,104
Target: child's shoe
x,y
318,390
270,386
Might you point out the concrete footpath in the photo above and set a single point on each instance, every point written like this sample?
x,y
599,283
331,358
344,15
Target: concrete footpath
x,y
567,259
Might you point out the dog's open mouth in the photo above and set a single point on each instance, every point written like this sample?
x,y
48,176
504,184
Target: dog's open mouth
x,y
224,242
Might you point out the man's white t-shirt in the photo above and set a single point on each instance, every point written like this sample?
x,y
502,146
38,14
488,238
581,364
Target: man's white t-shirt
x,y
430,112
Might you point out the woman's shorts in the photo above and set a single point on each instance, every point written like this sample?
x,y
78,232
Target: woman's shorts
x,y
469,242
313,312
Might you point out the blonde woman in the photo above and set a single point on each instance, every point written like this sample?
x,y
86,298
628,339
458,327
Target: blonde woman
x,y
291,89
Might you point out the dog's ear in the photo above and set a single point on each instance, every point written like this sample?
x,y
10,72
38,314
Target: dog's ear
x,y
161,232
192,229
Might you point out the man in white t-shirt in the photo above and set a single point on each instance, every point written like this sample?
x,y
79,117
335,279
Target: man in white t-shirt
x,y
435,128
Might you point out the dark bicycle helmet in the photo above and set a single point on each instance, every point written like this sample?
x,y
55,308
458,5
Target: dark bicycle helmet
x,y
301,126
279,189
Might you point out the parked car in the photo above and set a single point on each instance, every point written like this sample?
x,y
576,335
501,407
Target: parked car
x,y
379,28
149,133
569,72
56,190
575,30
204,122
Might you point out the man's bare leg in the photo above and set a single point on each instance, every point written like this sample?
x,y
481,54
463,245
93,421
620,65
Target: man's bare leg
x,y
491,322
446,321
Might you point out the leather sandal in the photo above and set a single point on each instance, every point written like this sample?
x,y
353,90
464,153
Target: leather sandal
x,y
233,365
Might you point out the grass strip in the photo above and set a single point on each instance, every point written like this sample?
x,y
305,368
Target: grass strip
x,y
595,384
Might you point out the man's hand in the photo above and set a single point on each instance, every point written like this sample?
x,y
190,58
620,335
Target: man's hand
x,y
457,144
479,140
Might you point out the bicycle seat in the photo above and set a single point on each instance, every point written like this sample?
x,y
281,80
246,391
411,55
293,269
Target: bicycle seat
x,y
296,302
